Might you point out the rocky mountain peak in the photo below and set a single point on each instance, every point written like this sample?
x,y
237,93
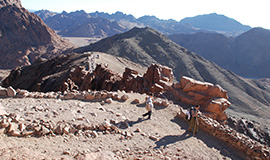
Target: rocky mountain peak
x,y
25,37
4,3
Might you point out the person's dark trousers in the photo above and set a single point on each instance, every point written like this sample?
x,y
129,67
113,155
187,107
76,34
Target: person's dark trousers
x,y
148,113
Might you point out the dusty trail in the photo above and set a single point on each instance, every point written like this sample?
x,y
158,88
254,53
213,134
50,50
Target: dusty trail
x,y
164,136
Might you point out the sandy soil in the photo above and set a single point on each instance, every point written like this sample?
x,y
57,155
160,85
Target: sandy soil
x,y
4,74
81,41
162,137
118,64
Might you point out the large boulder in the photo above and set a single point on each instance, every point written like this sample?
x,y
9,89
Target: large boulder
x,y
190,85
213,99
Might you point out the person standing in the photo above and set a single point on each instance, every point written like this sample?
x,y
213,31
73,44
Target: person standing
x,y
194,121
149,106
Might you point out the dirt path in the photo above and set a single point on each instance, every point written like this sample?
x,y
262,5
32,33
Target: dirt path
x,y
162,137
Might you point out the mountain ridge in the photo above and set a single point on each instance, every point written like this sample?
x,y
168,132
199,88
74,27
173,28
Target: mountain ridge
x,y
247,54
81,24
167,27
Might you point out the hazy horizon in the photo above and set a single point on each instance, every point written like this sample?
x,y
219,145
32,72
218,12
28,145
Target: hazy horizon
x,y
246,12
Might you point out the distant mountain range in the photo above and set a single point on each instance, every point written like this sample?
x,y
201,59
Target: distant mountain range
x,y
208,23
215,22
145,46
81,24
247,55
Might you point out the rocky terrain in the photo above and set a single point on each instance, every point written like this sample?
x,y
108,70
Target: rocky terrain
x,y
108,125
89,105
97,130
25,37
247,54
146,46
157,79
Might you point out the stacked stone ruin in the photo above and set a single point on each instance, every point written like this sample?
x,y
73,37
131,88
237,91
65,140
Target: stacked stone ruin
x,y
251,148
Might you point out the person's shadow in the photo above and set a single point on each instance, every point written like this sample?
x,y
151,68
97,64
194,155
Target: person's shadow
x,y
126,124
170,139
138,121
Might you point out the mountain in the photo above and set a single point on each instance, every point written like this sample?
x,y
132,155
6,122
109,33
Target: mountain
x,y
219,23
252,53
81,24
247,54
63,22
117,16
212,46
127,21
44,14
146,46
167,27
25,37
216,22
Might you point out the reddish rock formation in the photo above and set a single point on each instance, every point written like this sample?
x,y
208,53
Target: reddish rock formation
x,y
131,81
157,79
213,99
24,37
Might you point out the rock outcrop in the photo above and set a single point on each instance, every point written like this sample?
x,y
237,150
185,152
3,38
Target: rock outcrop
x,y
24,37
213,99
156,80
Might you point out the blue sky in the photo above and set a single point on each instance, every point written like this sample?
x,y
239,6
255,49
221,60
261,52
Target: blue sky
x,y
248,12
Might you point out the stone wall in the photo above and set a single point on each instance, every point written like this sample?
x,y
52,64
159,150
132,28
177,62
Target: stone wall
x,y
251,148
